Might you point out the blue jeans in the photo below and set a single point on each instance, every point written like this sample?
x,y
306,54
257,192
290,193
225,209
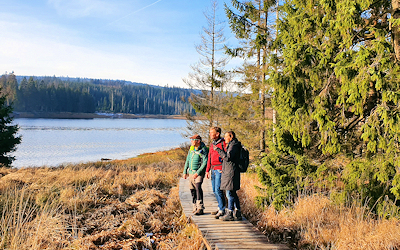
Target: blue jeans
x,y
216,184
233,200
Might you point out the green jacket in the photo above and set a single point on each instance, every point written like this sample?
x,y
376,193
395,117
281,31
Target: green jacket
x,y
196,160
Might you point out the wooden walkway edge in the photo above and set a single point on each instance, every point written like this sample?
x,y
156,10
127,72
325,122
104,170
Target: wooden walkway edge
x,y
222,234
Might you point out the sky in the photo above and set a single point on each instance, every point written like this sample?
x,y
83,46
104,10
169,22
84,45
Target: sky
x,y
145,41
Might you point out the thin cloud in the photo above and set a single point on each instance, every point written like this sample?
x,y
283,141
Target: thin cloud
x,y
134,12
81,8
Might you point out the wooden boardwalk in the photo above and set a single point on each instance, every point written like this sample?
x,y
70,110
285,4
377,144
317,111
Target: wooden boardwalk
x,y
222,234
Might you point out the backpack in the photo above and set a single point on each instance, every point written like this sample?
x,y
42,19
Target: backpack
x,y
244,159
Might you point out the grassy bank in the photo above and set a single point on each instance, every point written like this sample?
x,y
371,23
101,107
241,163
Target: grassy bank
x,y
129,204
315,222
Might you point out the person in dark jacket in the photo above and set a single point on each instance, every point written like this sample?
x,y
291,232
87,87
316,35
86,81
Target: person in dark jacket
x,y
214,170
230,178
195,168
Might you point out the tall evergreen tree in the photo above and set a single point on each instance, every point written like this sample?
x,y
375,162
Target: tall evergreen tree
x,y
209,74
249,23
337,94
8,138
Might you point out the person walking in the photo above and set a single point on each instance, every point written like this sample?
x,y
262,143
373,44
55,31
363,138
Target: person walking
x,y
195,167
230,178
214,169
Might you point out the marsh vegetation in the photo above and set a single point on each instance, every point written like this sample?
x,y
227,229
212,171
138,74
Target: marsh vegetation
x,y
130,204
134,204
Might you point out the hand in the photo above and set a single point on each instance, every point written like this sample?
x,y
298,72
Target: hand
x,y
195,176
208,175
185,176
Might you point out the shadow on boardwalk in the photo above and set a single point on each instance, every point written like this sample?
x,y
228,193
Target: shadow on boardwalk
x,y
222,234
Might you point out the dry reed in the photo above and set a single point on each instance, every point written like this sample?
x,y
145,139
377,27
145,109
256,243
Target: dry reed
x,y
131,204
314,222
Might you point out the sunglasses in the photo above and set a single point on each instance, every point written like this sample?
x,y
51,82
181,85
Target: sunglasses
x,y
195,139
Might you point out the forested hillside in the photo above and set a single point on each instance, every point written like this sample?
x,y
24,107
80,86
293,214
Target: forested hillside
x,y
53,94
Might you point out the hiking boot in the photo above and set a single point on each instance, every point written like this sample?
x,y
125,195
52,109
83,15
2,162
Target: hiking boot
x,y
199,212
228,216
219,214
200,204
237,215
215,212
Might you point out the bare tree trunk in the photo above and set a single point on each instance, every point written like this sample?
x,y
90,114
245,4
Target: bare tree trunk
x,y
263,83
396,29
276,52
262,102
260,79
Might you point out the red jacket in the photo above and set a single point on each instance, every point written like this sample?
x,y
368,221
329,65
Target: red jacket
x,y
214,160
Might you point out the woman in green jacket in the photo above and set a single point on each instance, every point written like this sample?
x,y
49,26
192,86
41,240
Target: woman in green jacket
x,y
195,168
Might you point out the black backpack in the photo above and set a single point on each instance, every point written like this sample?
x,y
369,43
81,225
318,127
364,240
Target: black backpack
x,y
244,159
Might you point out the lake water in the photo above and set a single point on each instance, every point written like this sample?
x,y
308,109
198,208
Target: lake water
x,y
52,142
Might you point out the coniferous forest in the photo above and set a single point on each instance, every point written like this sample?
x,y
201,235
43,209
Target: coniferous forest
x,y
56,94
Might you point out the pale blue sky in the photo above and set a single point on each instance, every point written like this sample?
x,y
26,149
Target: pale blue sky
x,y
147,41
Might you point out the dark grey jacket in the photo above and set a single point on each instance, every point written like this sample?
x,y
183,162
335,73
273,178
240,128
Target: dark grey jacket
x,y
230,178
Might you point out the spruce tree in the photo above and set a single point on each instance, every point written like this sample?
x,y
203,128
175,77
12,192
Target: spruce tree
x,y
8,138
208,74
337,94
249,22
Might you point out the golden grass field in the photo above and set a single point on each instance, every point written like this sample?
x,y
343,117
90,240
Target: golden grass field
x,y
134,204
130,204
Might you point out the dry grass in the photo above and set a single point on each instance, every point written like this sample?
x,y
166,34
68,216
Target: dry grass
x,y
316,223
24,225
132,204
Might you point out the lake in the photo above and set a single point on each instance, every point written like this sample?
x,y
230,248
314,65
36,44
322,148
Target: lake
x,y
51,142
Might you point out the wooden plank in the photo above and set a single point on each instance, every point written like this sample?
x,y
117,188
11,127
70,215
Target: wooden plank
x,y
233,235
264,247
236,231
203,219
220,234
223,239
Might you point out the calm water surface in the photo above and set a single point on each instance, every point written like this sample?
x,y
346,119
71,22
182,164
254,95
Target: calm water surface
x,y
52,142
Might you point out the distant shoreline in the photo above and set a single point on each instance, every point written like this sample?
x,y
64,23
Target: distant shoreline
x,y
71,115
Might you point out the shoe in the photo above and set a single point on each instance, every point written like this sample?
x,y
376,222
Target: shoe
x,y
215,212
194,208
219,214
228,216
237,215
199,212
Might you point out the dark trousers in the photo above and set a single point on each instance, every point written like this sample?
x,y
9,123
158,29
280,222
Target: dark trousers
x,y
197,194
